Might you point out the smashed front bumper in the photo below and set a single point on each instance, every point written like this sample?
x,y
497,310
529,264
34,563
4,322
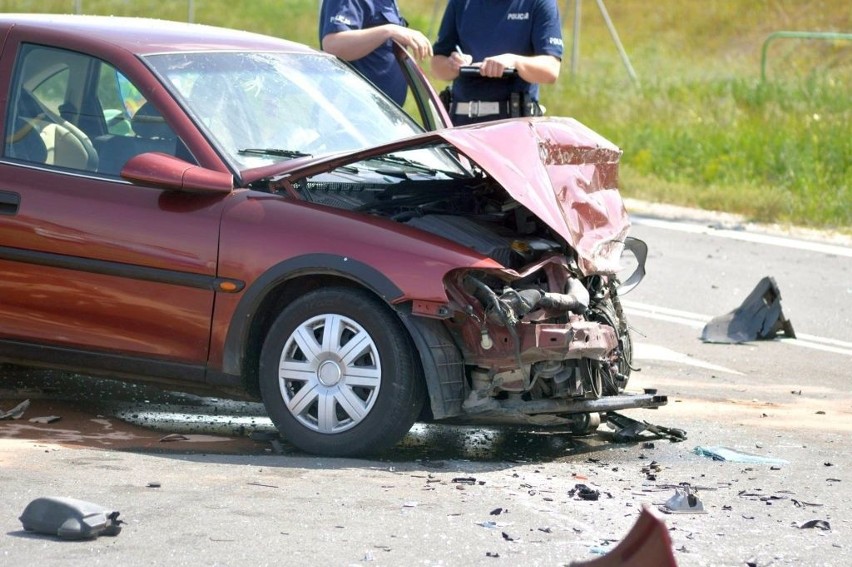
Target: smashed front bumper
x,y
552,412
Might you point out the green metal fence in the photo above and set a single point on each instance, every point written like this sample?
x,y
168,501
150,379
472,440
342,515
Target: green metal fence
x,y
825,36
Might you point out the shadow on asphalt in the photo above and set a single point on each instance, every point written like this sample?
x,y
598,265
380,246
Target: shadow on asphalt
x,y
114,415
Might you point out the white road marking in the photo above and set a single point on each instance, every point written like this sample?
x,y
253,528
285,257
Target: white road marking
x,y
745,236
697,321
645,351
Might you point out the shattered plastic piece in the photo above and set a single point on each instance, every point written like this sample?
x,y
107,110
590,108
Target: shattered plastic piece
x,y
584,492
628,429
758,318
647,543
69,518
726,454
684,501
45,419
821,524
174,437
16,412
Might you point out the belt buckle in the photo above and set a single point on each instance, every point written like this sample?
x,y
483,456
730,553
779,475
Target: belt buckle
x,y
470,112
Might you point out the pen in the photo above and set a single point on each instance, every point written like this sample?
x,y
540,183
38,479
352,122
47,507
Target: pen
x,y
459,50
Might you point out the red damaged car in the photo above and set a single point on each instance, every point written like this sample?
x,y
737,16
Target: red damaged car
x,y
220,211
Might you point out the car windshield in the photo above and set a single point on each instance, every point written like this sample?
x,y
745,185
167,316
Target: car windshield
x,y
262,108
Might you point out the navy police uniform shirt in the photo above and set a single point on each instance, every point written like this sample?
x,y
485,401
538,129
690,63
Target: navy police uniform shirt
x,y
484,28
379,66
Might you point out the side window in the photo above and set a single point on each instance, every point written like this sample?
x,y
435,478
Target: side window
x,y
36,130
72,111
118,99
132,124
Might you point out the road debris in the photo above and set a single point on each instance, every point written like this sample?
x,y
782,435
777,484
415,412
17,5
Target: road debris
x,y
45,419
584,492
173,437
628,430
684,501
731,455
820,524
70,519
16,412
758,318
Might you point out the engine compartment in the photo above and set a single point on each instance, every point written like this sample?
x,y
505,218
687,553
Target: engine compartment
x,y
473,212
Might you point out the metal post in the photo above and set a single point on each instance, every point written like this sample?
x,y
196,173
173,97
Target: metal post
x,y
575,41
435,8
617,41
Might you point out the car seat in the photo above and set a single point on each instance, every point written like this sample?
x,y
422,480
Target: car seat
x,y
150,134
63,144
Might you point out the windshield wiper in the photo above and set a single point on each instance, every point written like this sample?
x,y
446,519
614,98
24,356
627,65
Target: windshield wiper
x,y
273,152
399,160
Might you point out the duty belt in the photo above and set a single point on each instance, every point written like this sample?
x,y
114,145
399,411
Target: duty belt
x,y
477,108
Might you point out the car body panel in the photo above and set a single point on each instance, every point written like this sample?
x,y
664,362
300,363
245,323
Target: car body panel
x,y
94,258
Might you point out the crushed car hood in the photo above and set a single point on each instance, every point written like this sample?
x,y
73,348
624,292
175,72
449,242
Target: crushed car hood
x,y
563,172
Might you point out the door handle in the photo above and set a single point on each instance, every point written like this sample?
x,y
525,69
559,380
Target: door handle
x,y
9,203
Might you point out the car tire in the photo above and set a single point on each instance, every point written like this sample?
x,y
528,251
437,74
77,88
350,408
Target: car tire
x,y
339,375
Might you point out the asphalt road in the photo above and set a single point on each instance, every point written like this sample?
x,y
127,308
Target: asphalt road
x,y
193,491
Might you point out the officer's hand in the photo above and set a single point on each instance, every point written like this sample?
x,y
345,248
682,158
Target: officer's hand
x,y
413,40
458,60
495,66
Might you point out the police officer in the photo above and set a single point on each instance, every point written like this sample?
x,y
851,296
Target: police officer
x,y
515,44
363,31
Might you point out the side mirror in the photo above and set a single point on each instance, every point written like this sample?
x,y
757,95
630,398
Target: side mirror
x,y
168,172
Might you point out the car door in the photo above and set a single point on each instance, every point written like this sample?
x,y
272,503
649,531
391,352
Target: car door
x,y
95,272
433,115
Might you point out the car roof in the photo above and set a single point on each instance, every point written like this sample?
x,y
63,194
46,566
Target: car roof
x,y
144,35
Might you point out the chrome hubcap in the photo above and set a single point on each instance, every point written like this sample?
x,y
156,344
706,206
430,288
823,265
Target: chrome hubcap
x,y
330,373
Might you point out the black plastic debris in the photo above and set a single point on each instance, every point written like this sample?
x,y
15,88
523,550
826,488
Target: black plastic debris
x,y
819,524
628,429
758,318
16,412
584,492
69,518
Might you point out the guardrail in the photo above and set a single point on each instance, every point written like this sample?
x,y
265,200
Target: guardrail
x,y
796,35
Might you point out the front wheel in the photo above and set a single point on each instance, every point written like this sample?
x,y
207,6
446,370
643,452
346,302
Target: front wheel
x,y
339,375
